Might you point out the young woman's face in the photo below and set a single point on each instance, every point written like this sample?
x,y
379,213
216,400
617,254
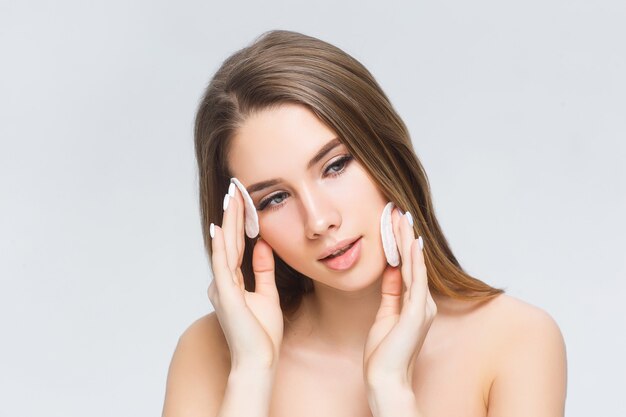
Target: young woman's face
x,y
315,200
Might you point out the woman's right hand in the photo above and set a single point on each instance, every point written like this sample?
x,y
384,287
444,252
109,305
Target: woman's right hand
x,y
252,322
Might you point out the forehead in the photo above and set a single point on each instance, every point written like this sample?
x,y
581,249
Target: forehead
x,y
275,140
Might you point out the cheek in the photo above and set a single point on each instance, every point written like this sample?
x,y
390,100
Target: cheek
x,y
279,230
363,194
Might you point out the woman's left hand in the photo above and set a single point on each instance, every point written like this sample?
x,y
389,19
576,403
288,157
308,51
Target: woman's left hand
x,y
406,312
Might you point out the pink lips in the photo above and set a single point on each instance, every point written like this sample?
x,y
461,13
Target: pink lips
x,y
346,260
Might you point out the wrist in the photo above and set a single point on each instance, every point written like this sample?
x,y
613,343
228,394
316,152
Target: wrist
x,y
392,400
248,392
254,366
251,373
259,381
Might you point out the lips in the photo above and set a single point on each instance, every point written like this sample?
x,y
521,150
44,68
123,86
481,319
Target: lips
x,y
344,244
346,260
339,252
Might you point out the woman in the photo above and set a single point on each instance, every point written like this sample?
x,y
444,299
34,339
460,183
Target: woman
x,y
310,317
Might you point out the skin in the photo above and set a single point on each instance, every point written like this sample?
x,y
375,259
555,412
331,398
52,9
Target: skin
x,y
313,210
495,358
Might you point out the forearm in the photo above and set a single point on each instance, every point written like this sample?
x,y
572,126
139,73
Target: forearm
x,y
393,401
248,393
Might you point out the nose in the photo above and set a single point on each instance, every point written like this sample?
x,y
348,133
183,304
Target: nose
x,y
320,212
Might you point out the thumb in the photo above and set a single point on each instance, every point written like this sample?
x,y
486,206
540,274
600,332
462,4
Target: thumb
x,y
263,267
391,289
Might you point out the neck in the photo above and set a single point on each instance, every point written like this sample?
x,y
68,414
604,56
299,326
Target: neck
x,y
340,320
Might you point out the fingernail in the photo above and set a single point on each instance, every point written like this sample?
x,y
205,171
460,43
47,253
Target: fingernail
x,y
231,189
226,199
409,218
421,242
212,230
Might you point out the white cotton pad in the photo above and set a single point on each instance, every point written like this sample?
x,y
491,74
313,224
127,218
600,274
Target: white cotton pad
x,y
386,233
251,218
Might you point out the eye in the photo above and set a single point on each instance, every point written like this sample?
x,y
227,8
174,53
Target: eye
x,y
340,166
333,170
266,201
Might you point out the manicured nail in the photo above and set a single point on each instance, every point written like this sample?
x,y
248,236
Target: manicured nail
x,y
226,199
231,189
212,230
409,218
421,242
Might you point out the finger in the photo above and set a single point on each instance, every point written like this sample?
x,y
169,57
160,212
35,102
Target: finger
x,y
263,266
419,286
227,289
430,303
396,217
240,222
235,193
391,289
212,292
406,237
229,226
396,220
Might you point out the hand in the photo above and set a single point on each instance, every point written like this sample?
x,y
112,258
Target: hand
x,y
252,322
406,312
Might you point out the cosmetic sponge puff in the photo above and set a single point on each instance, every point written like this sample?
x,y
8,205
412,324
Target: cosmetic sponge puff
x,y
251,219
386,233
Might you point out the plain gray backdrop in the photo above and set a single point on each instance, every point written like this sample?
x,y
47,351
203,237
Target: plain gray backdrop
x,y
517,111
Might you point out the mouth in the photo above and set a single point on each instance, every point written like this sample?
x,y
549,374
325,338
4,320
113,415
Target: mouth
x,y
343,258
338,249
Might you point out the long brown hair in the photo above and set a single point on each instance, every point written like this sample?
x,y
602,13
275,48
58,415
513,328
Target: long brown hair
x,y
289,67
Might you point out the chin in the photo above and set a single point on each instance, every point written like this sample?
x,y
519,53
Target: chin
x,y
354,284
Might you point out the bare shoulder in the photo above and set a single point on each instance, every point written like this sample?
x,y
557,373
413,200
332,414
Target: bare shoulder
x,y
517,321
502,327
528,359
205,332
510,311
511,325
198,371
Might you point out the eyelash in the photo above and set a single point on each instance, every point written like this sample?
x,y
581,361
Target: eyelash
x,y
342,162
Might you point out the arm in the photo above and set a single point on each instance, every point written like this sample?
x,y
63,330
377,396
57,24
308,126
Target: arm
x,y
392,400
402,322
248,393
200,382
527,360
244,333
531,376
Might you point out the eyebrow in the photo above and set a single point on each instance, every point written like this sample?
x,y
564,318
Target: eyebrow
x,y
332,144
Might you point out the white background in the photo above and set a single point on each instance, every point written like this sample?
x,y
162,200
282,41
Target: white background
x,y
517,111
